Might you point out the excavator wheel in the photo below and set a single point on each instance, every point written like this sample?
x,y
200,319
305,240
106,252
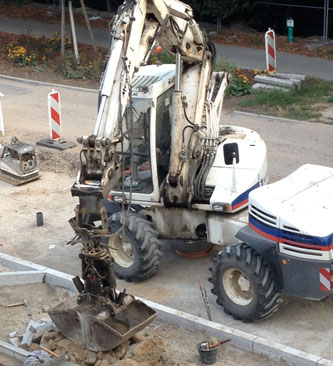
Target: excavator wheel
x,y
244,284
136,257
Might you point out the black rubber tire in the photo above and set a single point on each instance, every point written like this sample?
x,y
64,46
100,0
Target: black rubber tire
x,y
143,238
264,299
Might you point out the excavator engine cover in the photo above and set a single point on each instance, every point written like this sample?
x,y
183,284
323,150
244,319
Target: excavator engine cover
x,y
89,326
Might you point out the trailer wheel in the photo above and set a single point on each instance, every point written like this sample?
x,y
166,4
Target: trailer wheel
x,y
244,284
136,258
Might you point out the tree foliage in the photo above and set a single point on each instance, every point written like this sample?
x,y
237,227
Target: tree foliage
x,y
223,9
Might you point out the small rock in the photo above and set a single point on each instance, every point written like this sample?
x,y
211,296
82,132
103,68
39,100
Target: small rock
x,y
106,363
58,337
47,336
103,363
64,343
110,358
78,356
51,345
33,347
126,362
100,355
91,358
121,350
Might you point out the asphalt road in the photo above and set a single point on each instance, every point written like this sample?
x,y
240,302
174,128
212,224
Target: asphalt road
x,y
241,56
305,325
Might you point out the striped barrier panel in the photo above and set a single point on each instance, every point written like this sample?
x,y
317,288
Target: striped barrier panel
x,y
325,279
54,115
270,50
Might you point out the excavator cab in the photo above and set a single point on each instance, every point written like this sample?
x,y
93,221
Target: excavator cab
x,y
145,149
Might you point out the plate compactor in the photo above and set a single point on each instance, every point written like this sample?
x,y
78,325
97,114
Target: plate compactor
x,y
18,163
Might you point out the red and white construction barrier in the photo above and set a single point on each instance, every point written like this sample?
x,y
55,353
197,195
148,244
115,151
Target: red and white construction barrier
x,y
54,115
270,50
54,111
2,128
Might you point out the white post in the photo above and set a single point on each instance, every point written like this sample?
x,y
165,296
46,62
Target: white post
x,y
62,27
2,128
73,32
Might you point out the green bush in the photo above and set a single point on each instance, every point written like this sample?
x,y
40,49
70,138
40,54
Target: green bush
x,y
223,9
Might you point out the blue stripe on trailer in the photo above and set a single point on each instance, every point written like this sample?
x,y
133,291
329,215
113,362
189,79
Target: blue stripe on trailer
x,y
282,236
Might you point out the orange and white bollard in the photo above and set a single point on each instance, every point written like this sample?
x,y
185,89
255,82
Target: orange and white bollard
x,y
270,50
54,115
54,112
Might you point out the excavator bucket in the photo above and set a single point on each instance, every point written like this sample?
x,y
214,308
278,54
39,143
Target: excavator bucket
x,y
85,325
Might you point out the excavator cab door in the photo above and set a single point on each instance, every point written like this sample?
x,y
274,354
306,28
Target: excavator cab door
x,y
145,150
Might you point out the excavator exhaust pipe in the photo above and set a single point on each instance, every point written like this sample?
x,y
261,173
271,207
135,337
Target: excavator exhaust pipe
x,y
91,327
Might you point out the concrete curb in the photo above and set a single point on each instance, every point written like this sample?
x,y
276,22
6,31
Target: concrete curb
x,y
36,82
14,352
21,278
278,119
263,116
246,341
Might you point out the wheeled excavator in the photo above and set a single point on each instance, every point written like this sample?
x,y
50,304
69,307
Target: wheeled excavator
x,y
159,157
159,165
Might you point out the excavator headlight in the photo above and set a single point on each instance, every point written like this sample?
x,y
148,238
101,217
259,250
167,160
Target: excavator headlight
x,y
117,198
221,207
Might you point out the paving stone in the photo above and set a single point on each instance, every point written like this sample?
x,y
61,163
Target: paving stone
x,y
275,81
15,341
27,338
259,87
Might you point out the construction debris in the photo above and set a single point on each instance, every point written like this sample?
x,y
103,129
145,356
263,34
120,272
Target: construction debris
x,y
37,358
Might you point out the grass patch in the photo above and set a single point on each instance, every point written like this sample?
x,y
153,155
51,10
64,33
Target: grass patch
x,y
225,65
329,54
296,104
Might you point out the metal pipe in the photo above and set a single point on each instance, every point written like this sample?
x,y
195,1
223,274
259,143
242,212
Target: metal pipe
x,y
62,27
71,16
326,13
91,34
178,71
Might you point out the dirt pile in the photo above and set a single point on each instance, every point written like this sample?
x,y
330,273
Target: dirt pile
x,y
141,350
52,161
